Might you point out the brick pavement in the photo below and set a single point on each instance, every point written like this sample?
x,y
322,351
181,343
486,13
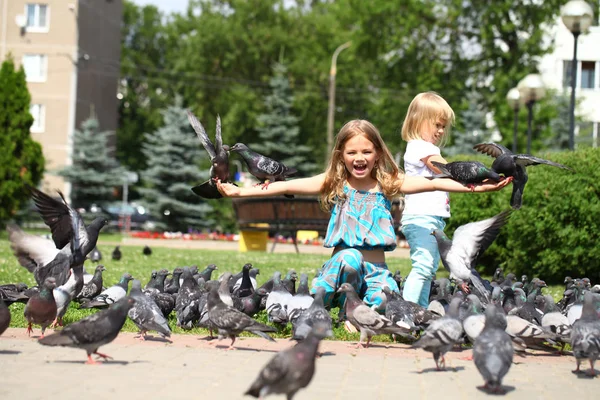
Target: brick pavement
x,y
192,368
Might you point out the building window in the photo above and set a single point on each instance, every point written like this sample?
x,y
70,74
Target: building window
x,y
567,73
588,69
37,111
35,66
37,17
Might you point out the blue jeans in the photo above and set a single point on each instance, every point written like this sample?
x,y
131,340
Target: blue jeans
x,y
424,255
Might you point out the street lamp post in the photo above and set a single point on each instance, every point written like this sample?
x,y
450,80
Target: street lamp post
x,y
513,97
577,15
531,89
331,108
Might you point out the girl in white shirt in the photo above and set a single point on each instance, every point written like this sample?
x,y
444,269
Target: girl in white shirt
x,y
425,127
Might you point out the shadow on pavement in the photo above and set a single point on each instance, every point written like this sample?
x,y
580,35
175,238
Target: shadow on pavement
x,y
10,352
503,390
448,369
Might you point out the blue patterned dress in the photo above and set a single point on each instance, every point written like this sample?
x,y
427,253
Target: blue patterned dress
x,y
363,221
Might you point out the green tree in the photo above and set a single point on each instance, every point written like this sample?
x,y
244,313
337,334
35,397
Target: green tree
x,y
173,154
278,131
94,173
472,127
21,159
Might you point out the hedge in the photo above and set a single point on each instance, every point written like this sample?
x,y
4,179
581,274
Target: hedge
x,y
556,231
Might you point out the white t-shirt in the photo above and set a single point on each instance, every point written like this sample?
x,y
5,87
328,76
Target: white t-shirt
x,y
429,203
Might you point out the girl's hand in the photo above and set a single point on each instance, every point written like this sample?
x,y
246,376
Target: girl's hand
x,y
492,186
228,189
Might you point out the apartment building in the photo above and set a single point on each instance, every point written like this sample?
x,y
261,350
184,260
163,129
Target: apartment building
x,y
555,69
70,50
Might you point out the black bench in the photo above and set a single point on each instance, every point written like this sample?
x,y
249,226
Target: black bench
x,y
277,215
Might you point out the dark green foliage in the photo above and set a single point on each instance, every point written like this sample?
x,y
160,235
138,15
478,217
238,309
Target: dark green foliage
x,y
279,133
173,154
555,233
94,173
472,127
21,158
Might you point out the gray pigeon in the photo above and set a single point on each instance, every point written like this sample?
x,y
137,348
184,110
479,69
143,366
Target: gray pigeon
x,y
368,321
292,369
207,272
224,292
95,255
312,316
116,254
301,301
219,159
93,331
145,314
469,173
63,295
231,322
585,334
469,241
277,301
510,164
4,317
110,295
188,299
94,287
41,308
265,169
493,350
442,334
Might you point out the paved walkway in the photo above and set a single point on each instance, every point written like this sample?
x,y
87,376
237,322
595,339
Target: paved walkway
x,y
400,252
192,368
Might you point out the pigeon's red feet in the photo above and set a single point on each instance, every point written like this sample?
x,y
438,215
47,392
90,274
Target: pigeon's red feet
x,y
265,185
103,356
91,361
29,330
465,287
471,186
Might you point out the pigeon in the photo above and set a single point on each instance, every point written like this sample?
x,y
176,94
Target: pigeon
x,y
499,276
442,334
314,315
585,334
4,317
289,282
265,169
459,255
469,173
94,287
368,321
188,299
244,286
397,309
172,286
147,250
145,314
110,295
475,320
219,159
300,301
526,308
231,322
95,255
207,272
116,254
493,350
41,308
63,296
292,369
11,293
554,320
93,331
510,164
277,301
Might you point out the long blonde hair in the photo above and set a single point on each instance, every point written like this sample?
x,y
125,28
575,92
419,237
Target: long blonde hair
x,y
386,171
427,107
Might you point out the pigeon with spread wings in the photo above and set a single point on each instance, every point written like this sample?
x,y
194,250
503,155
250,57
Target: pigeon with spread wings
x,y
510,164
219,159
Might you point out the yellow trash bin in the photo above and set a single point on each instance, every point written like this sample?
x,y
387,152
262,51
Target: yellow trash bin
x,y
303,236
254,240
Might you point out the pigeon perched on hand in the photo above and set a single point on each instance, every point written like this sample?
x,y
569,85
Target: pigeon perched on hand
x,y
493,350
459,255
469,173
585,334
292,369
510,164
93,331
219,159
41,308
265,169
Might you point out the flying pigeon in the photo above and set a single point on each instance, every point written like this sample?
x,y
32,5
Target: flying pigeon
x,y
145,314
368,321
95,255
510,164
116,254
110,295
146,250
219,159
94,287
265,169
585,334
442,334
41,308
469,173
93,331
231,322
493,350
460,254
4,317
292,369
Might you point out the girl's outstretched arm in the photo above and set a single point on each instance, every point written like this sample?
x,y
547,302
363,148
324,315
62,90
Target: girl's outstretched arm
x,y
306,186
419,184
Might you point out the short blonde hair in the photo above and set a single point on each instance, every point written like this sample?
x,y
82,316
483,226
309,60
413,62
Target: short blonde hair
x,y
427,107
386,171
